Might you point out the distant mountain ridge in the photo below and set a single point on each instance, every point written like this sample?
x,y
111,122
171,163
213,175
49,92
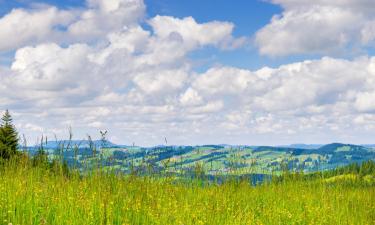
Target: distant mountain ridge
x,y
109,144
78,143
214,158
303,146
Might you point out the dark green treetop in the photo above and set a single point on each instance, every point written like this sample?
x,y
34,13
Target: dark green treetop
x,y
8,137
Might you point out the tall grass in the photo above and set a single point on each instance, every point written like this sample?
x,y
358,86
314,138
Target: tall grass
x,y
41,195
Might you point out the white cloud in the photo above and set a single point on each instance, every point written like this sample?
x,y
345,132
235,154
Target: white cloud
x,y
21,27
49,75
32,127
105,16
320,82
210,107
141,84
191,33
224,80
365,102
161,82
49,24
191,98
294,99
96,124
368,33
318,27
129,76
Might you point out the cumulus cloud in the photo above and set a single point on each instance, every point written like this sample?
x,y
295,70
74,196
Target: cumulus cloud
x,y
318,27
45,23
311,96
325,94
283,88
166,81
50,75
224,80
83,66
191,97
193,34
21,27
141,85
365,102
103,16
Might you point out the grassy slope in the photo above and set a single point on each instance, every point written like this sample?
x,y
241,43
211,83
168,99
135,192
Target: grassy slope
x,y
33,195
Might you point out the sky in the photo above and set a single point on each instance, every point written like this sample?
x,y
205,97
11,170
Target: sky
x,y
267,72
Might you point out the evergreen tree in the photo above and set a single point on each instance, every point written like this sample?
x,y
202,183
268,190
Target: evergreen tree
x,y
8,137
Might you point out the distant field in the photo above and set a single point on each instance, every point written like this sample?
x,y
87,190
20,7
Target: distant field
x,y
36,195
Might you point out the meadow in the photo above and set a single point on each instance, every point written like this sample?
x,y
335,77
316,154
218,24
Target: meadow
x,y
39,194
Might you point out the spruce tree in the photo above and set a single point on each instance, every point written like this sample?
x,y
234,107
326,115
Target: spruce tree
x,y
8,137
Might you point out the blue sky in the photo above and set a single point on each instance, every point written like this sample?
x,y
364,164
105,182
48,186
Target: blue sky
x,y
198,72
248,17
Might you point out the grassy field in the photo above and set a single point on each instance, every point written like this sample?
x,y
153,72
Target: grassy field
x,y
36,195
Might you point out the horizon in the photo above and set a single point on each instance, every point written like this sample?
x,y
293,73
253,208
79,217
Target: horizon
x,y
250,72
291,145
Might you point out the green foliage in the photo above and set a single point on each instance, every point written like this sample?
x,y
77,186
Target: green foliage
x,y
40,158
8,137
363,169
367,168
57,167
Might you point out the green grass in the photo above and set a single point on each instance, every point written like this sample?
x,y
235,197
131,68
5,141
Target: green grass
x,y
36,195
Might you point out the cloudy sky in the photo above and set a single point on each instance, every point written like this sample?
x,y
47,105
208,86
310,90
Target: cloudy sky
x,y
197,72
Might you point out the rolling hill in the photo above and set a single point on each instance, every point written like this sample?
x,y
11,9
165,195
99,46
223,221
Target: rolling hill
x,y
213,159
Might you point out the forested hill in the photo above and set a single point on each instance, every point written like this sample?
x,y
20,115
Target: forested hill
x,y
212,158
